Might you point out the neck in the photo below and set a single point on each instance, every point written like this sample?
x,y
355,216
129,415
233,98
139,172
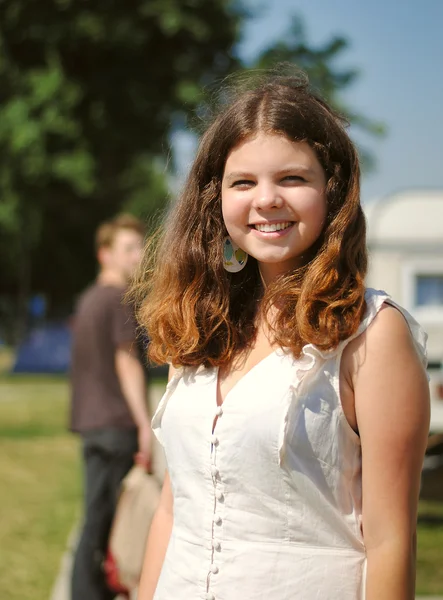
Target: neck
x,y
269,272
112,278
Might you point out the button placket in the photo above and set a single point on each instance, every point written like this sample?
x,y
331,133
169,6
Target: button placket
x,y
218,498
219,494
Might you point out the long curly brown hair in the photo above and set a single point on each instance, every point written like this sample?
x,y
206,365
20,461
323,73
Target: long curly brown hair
x,y
195,312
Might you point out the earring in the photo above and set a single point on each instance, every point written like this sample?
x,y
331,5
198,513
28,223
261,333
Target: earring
x,y
234,258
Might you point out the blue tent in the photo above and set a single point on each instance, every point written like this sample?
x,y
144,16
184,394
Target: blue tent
x,y
46,349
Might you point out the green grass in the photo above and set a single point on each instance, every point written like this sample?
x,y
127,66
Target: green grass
x,y
430,549
40,483
40,492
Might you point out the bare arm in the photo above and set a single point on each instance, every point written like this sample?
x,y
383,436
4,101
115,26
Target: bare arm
x,y
157,544
158,539
132,381
392,409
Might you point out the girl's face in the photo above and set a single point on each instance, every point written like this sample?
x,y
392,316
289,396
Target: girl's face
x,y
273,201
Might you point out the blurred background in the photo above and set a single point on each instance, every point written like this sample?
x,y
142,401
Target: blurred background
x,y
100,105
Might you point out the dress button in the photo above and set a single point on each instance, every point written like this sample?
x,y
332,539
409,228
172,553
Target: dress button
x,y
210,596
216,545
214,471
214,569
218,520
219,411
214,440
219,495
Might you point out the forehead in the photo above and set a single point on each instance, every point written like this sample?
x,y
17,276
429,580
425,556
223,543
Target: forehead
x,y
126,237
271,150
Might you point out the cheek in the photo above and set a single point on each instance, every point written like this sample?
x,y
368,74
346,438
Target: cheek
x,y
127,258
315,211
135,253
232,211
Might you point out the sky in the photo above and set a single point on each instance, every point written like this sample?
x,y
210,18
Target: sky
x,y
397,46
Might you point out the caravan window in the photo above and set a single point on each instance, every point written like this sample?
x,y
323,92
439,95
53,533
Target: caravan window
x,y
429,290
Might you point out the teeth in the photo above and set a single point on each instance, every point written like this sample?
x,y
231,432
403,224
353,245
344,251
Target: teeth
x,y
268,228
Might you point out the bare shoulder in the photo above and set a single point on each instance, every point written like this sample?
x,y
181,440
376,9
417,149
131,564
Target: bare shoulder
x,y
387,340
389,328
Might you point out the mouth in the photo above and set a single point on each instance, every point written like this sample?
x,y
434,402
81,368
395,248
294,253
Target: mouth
x,y
272,227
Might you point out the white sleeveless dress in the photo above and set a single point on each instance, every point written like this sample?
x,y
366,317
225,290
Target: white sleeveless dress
x,y
268,506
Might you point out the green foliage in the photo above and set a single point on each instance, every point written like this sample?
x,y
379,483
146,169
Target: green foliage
x,y
88,92
146,187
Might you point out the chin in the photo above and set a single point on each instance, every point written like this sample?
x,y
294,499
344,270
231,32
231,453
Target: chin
x,y
275,260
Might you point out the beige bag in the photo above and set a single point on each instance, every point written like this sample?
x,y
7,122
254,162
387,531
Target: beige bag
x,y
135,509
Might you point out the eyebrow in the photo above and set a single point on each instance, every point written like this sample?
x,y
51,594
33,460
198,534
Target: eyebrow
x,y
297,168
290,169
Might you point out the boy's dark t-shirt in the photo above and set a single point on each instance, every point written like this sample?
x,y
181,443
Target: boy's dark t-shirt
x,y
102,322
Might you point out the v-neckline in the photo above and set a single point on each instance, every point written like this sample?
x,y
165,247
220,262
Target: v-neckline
x,y
242,378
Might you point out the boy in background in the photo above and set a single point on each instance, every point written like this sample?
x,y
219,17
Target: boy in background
x,y
109,408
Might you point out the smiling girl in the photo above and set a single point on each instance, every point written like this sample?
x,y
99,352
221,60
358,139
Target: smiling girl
x,y
296,415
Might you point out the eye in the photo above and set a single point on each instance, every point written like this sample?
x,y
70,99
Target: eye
x,y
242,183
293,179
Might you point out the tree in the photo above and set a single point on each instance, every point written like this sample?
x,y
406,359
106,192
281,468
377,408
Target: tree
x,y
87,94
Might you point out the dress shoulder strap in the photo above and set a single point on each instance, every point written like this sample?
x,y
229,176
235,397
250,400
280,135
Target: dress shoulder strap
x,y
157,418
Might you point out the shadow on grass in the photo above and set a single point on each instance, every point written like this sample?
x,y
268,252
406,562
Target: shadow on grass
x,y
430,520
8,377
31,431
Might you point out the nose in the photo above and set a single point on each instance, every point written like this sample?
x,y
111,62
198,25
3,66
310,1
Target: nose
x,y
267,196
